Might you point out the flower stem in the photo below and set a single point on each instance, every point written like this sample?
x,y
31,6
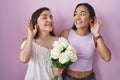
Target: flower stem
x,y
55,78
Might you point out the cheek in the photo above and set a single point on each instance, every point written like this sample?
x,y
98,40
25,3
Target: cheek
x,y
39,22
41,25
74,19
86,21
53,23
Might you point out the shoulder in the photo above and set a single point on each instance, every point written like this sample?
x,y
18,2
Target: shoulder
x,y
63,39
65,33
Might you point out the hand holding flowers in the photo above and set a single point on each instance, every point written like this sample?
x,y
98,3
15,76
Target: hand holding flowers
x,y
62,55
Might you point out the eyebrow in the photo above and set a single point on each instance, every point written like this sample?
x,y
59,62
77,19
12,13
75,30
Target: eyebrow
x,y
81,11
46,15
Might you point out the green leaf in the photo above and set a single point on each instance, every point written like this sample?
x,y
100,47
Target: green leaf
x,y
57,64
68,63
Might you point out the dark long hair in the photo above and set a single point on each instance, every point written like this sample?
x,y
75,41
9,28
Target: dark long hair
x,y
34,18
90,10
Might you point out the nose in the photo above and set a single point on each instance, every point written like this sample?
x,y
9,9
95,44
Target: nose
x,y
78,16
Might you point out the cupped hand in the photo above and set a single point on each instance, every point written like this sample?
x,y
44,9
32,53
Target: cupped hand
x,y
31,31
94,27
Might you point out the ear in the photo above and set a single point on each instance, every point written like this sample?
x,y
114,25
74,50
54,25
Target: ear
x,y
91,21
36,25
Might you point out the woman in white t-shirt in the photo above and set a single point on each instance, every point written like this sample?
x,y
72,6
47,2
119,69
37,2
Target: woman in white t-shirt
x,y
35,50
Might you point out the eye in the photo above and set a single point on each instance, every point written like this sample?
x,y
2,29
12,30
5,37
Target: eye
x,y
44,17
75,14
83,14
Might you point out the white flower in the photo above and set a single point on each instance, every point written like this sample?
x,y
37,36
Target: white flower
x,y
70,48
56,43
62,46
72,55
63,58
55,53
63,52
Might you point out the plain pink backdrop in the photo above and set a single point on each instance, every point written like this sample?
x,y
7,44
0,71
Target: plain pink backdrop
x,y
14,14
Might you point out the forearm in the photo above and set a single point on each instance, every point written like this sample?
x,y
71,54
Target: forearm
x,y
25,52
103,49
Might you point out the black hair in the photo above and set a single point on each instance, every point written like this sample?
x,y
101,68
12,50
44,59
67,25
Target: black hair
x,y
90,10
34,18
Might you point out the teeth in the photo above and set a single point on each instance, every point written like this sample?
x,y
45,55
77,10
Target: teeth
x,y
49,25
78,22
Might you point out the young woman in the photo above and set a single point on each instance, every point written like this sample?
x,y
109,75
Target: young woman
x,y
85,37
35,50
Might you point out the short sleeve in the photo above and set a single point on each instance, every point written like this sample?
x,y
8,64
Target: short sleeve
x,y
23,43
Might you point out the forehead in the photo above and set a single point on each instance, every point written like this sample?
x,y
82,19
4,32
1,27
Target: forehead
x,y
45,13
81,9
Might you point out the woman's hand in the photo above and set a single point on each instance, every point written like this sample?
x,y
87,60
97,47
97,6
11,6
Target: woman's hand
x,y
58,71
94,27
31,32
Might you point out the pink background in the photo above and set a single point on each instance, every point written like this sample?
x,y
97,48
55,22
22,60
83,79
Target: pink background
x,y
14,14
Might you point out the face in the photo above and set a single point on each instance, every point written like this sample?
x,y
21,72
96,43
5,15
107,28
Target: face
x,y
81,17
45,21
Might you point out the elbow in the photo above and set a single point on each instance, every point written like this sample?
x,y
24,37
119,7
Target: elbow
x,y
108,57
23,58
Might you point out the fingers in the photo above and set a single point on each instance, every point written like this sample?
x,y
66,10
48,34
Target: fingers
x,y
97,21
29,25
58,71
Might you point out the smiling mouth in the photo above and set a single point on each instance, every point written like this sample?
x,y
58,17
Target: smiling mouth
x,y
49,25
78,22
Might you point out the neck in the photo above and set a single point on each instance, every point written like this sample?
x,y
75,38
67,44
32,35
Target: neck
x,y
82,32
44,36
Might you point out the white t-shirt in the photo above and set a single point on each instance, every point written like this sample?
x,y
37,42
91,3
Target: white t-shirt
x,y
39,66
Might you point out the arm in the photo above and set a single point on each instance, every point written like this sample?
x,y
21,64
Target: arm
x,y
100,44
103,49
65,33
26,50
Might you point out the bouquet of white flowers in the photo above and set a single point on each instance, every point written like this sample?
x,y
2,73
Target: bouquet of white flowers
x,y
62,55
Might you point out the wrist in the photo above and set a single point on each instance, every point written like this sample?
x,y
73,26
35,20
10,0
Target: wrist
x,y
96,34
30,37
98,37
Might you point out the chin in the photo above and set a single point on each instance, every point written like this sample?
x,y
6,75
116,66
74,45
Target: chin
x,y
50,30
78,27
